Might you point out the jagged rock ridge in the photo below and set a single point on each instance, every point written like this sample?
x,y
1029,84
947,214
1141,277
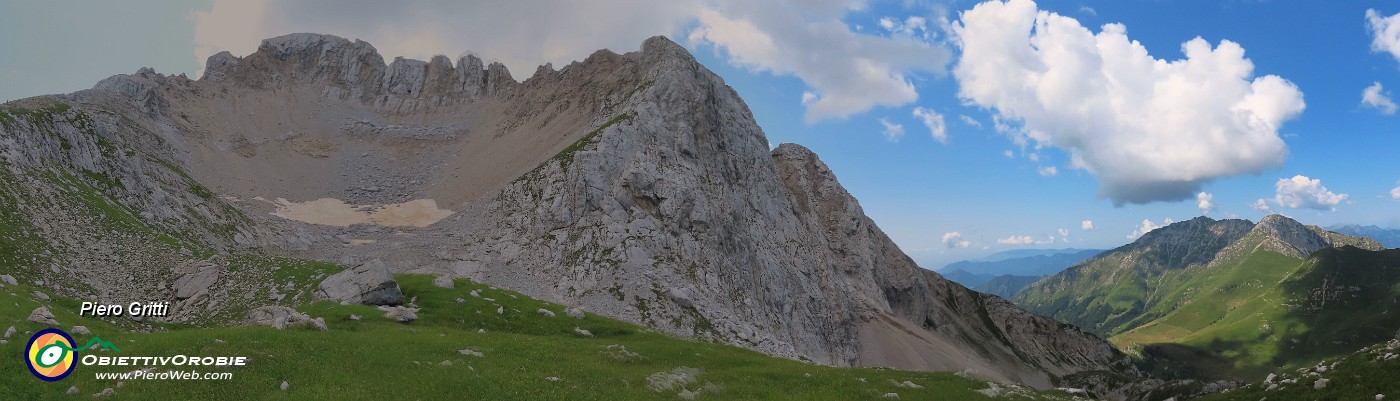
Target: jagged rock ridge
x,y
636,186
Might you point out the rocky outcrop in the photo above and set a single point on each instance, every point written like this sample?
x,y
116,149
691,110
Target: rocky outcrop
x,y
368,283
344,70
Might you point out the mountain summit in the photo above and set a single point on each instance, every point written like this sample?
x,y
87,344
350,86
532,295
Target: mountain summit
x,y
636,186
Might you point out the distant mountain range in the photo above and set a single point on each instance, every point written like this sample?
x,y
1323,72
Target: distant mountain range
x,y
1230,298
1016,264
1387,237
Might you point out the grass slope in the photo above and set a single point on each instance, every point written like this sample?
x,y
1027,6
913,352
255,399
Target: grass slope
x,y
375,358
1272,313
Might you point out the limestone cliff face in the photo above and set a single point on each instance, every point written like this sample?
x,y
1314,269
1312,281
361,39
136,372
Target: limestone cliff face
x,y
676,214
634,185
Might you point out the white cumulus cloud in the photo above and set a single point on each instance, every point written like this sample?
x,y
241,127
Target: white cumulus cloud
x,y
1303,192
934,122
1150,129
1385,32
971,122
1063,232
1048,171
1395,192
955,239
1086,225
891,131
1260,205
1203,202
1147,226
1374,96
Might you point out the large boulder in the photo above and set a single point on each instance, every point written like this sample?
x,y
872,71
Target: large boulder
x,y
196,278
369,283
42,315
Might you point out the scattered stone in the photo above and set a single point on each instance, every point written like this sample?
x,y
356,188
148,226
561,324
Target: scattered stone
x,y
475,294
42,315
500,310
443,282
686,394
42,296
279,317
80,330
1272,387
553,379
582,332
218,341
121,384
285,385
891,395
993,390
460,300
575,313
906,384
72,390
399,313
445,363
319,324
862,379
806,375
480,331
1270,378
354,316
620,352
369,283
9,332
104,393
471,352
1380,397
1320,384
8,279
545,312
676,378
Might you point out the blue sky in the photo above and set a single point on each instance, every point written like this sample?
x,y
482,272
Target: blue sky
x,y
861,77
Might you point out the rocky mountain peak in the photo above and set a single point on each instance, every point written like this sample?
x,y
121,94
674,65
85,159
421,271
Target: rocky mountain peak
x,y
1186,243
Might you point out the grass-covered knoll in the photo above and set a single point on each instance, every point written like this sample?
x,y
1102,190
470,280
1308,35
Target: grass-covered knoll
x,y
375,358
1272,313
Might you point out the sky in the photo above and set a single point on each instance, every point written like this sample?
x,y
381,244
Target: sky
x,y
963,127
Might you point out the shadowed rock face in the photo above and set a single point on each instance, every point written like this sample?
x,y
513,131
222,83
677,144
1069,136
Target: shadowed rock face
x,y
636,186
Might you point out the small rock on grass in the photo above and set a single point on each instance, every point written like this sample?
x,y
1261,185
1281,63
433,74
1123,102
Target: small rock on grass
x,y
42,315
583,332
553,379
892,395
80,330
72,390
285,385
575,313
443,282
545,312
